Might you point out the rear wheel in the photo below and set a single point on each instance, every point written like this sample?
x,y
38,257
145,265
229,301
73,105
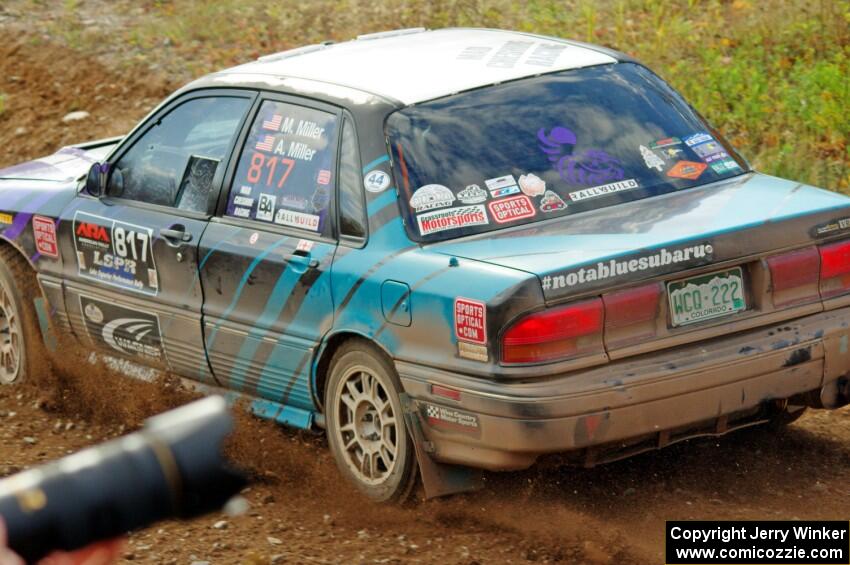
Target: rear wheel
x,y
365,423
20,339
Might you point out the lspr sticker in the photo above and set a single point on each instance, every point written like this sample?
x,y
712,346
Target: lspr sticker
x,y
471,320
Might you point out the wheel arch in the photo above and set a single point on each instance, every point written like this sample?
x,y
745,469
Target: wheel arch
x,y
6,242
327,349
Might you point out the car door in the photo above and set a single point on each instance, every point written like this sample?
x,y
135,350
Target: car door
x,y
132,285
269,251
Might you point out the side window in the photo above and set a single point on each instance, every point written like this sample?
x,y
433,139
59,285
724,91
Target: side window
x,y
174,162
352,208
284,174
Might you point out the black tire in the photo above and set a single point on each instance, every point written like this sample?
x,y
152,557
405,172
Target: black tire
x,y
21,348
363,424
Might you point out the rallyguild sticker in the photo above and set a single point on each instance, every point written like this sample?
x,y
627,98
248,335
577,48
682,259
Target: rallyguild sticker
x,y
472,194
687,170
471,320
655,262
451,418
512,209
297,219
44,232
376,181
454,218
603,190
532,185
431,196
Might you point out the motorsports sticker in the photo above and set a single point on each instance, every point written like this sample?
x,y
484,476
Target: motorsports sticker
x,y
115,253
453,218
651,263
129,332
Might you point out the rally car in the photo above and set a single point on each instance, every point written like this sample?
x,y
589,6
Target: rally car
x,y
454,249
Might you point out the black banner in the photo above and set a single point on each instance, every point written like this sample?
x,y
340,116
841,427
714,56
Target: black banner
x,y
756,542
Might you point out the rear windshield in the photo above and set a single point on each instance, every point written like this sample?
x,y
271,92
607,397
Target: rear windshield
x,y
546,147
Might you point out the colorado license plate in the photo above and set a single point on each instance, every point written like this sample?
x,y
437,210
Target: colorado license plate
x,y
707,296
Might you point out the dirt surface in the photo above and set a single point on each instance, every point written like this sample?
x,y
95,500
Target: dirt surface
x,y
300,509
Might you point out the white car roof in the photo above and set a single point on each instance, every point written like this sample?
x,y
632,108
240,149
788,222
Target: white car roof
x,y
412,66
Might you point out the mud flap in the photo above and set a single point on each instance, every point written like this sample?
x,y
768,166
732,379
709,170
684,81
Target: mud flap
x,y
44,324
439,479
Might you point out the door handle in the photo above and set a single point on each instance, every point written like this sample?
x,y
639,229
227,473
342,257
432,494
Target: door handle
x,y
176,235
304,260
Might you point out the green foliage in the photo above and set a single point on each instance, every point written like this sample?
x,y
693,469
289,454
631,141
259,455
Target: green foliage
x,y
772,75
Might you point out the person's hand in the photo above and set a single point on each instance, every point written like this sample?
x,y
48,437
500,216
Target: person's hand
x,y
101,553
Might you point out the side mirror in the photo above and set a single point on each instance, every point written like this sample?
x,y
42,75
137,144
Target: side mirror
x,y
96,179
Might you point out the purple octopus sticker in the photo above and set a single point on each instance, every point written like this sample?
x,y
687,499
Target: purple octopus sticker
x,y
593,167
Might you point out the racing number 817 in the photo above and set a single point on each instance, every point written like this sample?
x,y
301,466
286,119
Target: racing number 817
x,y
260,161
129,238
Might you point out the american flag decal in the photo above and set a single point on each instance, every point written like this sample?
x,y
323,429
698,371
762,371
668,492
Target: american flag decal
x,y
274,123
324,177
266,144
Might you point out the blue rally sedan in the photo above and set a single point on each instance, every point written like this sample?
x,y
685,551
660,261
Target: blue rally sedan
x,y
452,250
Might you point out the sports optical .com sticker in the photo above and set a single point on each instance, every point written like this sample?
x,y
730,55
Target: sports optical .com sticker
x,y
44,232
471,320
512,209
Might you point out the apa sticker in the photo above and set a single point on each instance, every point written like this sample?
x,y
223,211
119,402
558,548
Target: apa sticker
x,y
6,218
687,170
697,138
472,194
44,232
297,219
115,253
652,160
551,202
431,196
441,416
640,266
512,209
133,333
603,190
532,185
376,181
454,218
471,320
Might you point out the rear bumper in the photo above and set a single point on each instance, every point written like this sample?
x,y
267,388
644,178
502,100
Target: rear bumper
x,y
508,425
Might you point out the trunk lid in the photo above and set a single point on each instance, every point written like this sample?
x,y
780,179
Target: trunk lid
x,y
749,215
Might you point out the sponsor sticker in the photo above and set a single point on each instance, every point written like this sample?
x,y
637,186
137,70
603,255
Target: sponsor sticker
x,y
297,219
6,218
532,185
454,218
697,138
725,166
472,351
254,237
500,182
376,181
44,232
551,202
471,320
505,191
666,142
115,253
431,196
304,246
603,190
710,151
472,194
242,212
512,209
243,201
640,266
133,333
687,170
829,228
265,207
245,190
451,418
652,160
324,177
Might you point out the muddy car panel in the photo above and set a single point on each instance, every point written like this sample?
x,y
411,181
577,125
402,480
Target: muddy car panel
x,y
258,309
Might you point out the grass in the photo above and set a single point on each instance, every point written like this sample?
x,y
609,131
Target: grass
x,y
773,75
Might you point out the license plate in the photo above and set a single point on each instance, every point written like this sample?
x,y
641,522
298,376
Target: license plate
x,y
707,296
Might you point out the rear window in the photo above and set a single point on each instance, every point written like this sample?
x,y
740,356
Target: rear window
x,y
547,147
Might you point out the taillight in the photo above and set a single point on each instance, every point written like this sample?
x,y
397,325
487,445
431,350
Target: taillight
x,y
554,334
834,268
794,276
631,315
